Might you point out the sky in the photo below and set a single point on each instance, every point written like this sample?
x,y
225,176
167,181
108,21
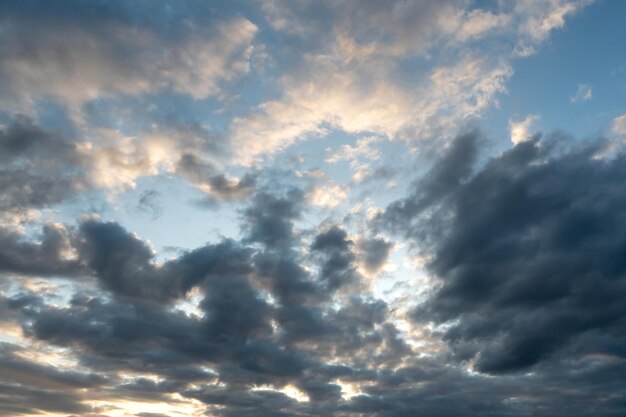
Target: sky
x,y
282,208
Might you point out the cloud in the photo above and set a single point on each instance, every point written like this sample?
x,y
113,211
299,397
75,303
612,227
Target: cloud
x,y
362,149
206,178
540,19
52,255
264,318
351,78
526,250
477,23
521,130
269,220
39,169
274,318
374,253
42,169
342,100
584,93
125,264
327,195
104,50
353,84
338,268
619,125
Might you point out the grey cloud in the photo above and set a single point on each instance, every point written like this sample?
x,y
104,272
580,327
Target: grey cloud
x,y
40,168
528,249
433,190
246,339
339,266
374,252
20,371
267,318
269,219
43,258
122,262
18,400
125,264
27,388
218,185
235,312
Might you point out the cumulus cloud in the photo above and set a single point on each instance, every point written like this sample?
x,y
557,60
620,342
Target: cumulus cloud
x,y
525,254
522,130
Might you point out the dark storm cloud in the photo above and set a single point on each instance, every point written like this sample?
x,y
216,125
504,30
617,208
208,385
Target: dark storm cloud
x,y
236,339
530,251
125,264
235,312
441,181
43,258
338,268
269,219
121,261
285,277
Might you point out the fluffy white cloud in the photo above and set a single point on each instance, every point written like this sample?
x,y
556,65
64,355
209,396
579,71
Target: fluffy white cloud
x,y
522,130
619,125
327,195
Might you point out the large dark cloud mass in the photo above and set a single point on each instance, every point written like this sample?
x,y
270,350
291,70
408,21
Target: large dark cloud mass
x,y
263,319
530,250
